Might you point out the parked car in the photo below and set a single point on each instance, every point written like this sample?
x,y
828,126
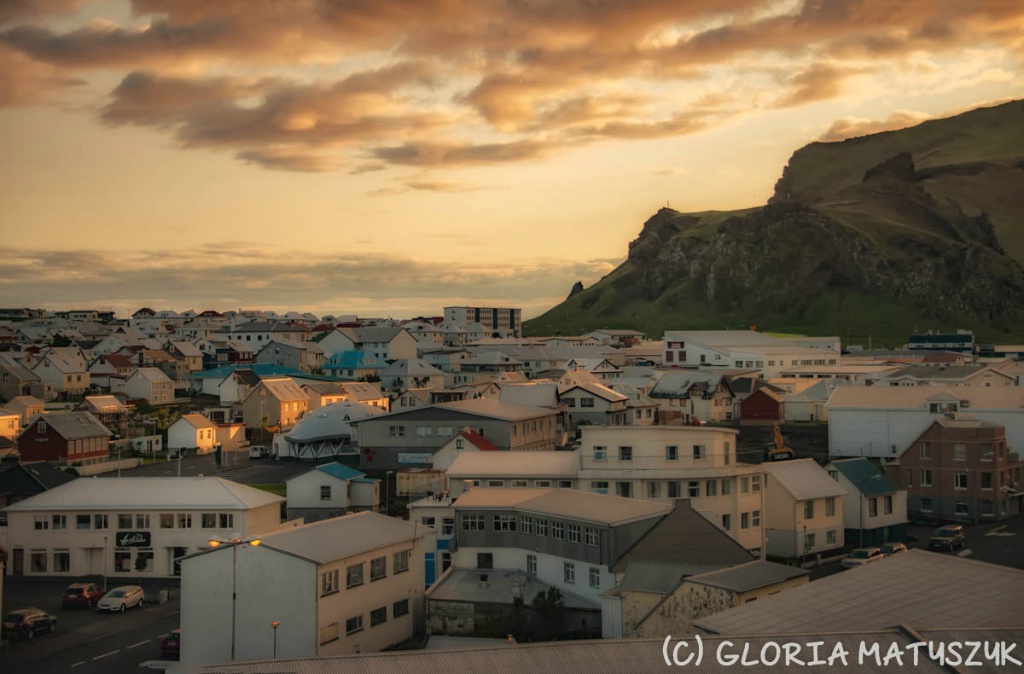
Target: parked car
x,y
948,537
122,598
860,557
26,623
890,549
81,595
170,647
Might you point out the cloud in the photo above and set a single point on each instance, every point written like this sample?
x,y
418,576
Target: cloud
x,y
851,127
221,277
24,81
818,83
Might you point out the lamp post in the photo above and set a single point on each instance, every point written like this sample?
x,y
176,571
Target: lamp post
x,y
387,491
234,542
104,565
275,625
860,488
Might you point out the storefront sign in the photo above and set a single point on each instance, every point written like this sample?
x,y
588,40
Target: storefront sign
x,y
132,539
415,458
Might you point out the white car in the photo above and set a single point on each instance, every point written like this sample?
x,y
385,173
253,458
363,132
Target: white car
x,y
122,598
860,557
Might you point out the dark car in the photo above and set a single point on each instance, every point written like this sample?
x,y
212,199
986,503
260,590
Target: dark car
x,y
81,595
26,623
948,537
170,647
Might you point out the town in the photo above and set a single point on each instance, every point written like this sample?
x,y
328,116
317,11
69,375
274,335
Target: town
x,y
248,486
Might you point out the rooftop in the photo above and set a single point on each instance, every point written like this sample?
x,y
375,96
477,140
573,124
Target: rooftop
x,y
341,537
568,503
515,464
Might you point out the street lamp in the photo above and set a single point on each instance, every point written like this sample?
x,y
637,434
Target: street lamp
x,y
275,625
387,490
234,542
860,488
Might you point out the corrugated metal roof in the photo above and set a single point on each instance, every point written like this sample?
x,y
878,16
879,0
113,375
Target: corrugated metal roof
x,y
76,425
804,479
341,537
920,588
198,420
515,464
340,471
751,576
149,493
865,477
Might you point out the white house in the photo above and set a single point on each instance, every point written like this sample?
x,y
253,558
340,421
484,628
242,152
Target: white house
x,y
330,490
149,384
192,432
130,527
803,510
467,440
874,508
348,584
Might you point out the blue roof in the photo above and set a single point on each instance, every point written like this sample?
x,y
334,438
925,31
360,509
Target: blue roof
x,y
341,471
352,360
865,477
366,479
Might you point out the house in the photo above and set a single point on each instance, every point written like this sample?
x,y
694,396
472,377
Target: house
x,y
276,402
874,508
324,433
593,403
25,406
67,437
883,421
10,423
467,440
747,349
763,406
192,433
804,510
189,354
63,368
602,368
353,584
664,463
130,528
406,374
110,366
256,334
19,481
236,385
17,380
353,365
620,339
385,343
323,393
365,392
111,411
961,469
305,356
806,398
641,409
952,375
685,395
499,322
330,490
149,384
486,470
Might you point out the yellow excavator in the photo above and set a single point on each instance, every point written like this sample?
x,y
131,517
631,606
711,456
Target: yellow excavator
x,y
779,451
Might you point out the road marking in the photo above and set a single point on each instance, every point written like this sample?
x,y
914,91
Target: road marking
x,y
161,636
964,553
138,644
78,664
106,655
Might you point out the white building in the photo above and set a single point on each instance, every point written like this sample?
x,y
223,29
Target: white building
x,y
803,510
192,432
509,469
149,384
874,508
345,585
330,490
130,527
747,349
670,462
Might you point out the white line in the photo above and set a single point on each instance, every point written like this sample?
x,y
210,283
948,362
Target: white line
x,y
106,655
138,644
161,636
78,664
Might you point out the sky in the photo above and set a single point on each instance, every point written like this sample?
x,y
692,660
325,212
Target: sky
x,y
393,157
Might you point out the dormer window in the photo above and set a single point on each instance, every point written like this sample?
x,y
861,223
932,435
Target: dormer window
x,y
41,426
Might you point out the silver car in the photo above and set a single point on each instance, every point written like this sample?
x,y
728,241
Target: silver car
x,y
122,598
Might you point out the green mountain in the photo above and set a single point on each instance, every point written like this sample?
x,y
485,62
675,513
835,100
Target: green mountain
x,y
871,239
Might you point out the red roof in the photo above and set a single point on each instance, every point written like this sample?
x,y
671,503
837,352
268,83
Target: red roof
x,y
118,360
482,443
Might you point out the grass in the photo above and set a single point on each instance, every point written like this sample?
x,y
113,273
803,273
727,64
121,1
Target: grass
x,y
276,488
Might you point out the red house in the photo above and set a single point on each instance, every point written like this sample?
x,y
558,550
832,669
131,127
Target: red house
x,y
762,406
68,437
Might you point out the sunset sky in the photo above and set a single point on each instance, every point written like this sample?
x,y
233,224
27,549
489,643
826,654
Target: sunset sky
x,y
392,157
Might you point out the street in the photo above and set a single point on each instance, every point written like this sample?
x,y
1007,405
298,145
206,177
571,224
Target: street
x,y
237,467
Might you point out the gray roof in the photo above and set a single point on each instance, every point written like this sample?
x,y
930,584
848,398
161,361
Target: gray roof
x,y
341,537
76,425
568,503
804,479
925,589
750,576
465,585
411,367
865,477
331,421
654,577
565,465
685,536
149,493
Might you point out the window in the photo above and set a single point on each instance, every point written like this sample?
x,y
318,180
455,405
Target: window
x,y
755,518
570,402
960,481
599,487
142,521
526,524
122,561
378,616
887,505
472,522
41,522
809,509
227,520
986,480
209,520
693,489
504,522
830,537
674,490
926,478
542,527
59,521
38,561
987,508
574,533
600,453
586,402
400,560
531,565
672,453
542,483
727,521
926,451
926,505
625,453
569,572
595,578
624,489
728,451
353,625
396,432
960,508
520,483
378,568
100,522
495,483
959,452
447,526
726,486
808,542
325,492
744,485
590,536
565,484
744,520
125,521
755,483
653,489
354,575
834,474
428,521
873,506
329,582
484,560
184,520
830,506
699,452
61,561
711,488
558,530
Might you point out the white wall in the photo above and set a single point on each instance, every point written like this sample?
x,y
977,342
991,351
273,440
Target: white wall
x,y
550,569
304,491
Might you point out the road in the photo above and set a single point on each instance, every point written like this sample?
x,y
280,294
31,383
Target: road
x,y
87,642
238,467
